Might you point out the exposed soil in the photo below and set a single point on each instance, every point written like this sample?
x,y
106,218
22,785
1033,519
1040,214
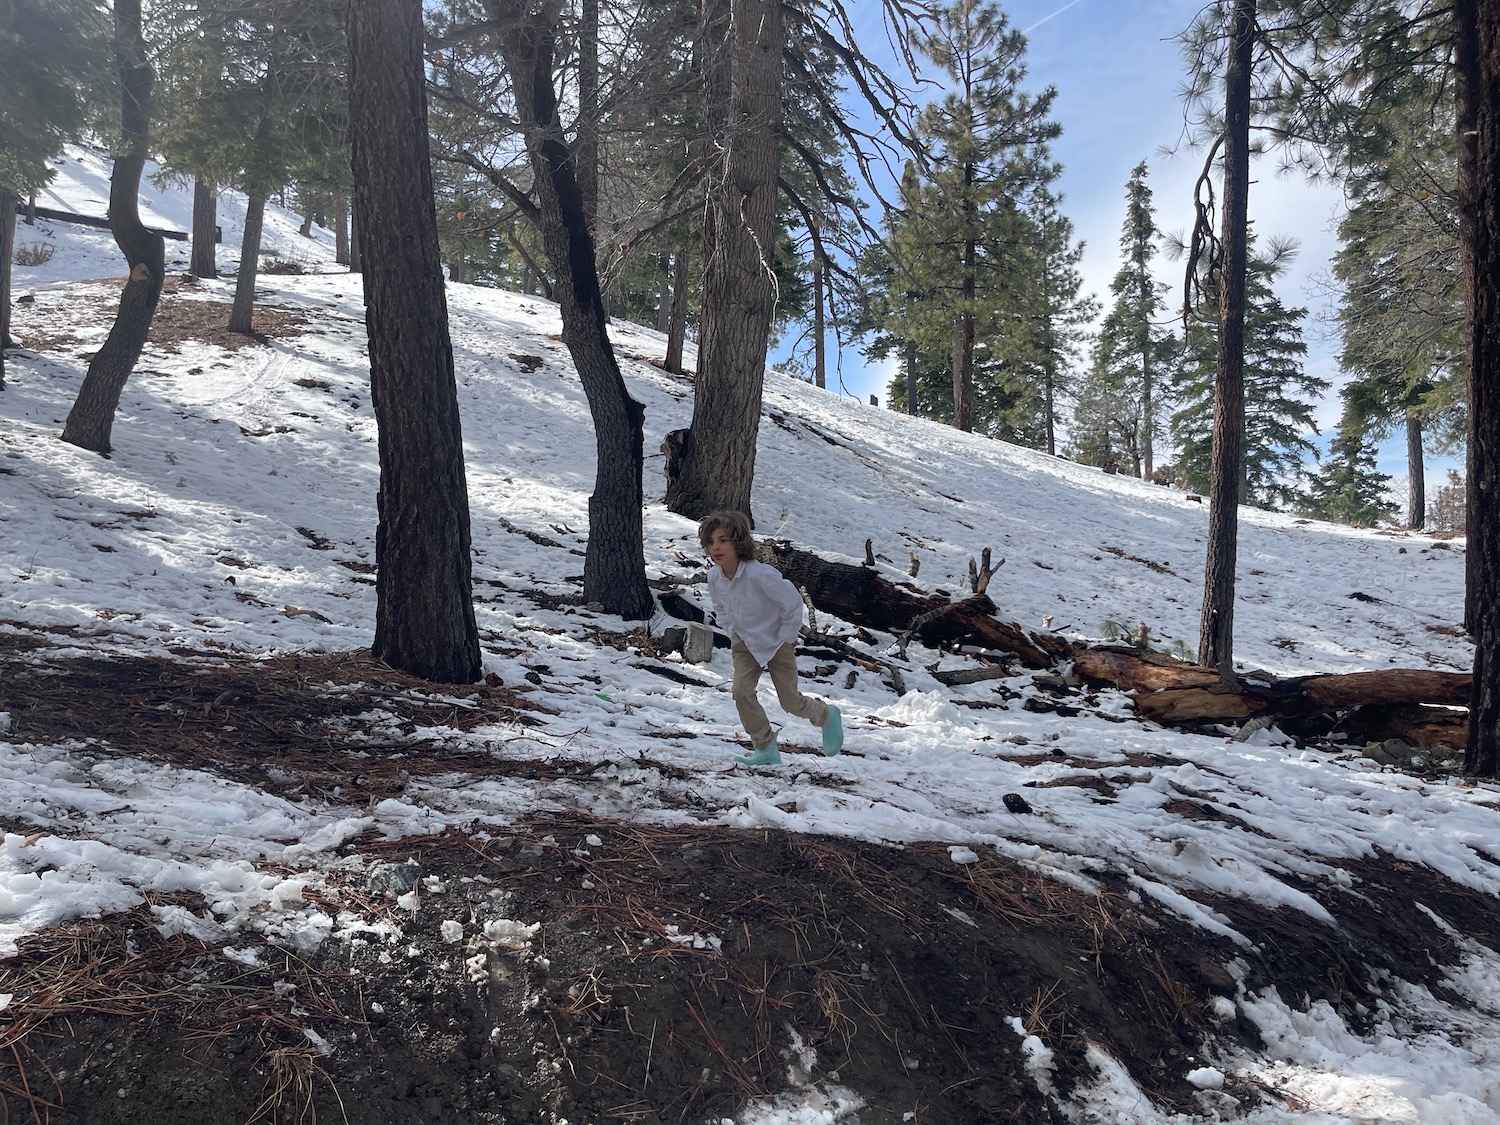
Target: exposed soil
x,y
672,973
179,317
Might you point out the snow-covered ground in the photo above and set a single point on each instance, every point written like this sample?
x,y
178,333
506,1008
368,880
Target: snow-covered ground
x,y
266,457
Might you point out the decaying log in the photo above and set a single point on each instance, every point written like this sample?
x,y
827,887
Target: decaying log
x,y
974,675
1389,703
857,594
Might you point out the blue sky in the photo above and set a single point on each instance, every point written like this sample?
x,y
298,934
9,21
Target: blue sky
x,y
1118,72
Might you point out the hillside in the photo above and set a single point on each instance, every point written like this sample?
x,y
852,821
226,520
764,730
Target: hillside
x,y
247,874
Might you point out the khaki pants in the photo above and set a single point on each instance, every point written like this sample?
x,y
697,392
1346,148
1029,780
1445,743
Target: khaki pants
x,y
783,670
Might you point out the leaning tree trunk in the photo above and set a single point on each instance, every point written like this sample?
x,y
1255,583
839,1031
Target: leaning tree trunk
x,y
1216,628
742,50
424,611
242,312
205,253
7,256
614,565
92,418
1477,27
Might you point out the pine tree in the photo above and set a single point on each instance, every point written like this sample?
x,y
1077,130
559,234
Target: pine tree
x,y
1348,488
50,54
965,245
254,97
1279,394
1117,417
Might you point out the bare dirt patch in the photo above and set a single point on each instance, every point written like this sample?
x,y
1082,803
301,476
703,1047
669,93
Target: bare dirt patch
x,y
672,972
180,317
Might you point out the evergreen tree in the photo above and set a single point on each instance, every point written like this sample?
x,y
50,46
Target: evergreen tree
x,y
1279,394
966,246
1348,488
256,99
1118,410
424,611
51,52
1401,308
1062,314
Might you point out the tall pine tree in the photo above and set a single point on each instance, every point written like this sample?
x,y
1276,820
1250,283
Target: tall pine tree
x,y
1279,394
1120,406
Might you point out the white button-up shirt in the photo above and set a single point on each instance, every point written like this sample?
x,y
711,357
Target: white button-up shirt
x,y
758,606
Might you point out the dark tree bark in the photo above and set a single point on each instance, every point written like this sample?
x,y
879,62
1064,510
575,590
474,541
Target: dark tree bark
x,y
424,612
1216,629
356,259
614,566
820,274
911,377
1477,27
7,257
242,312
1416,489
963,331
92,417
204,261
742,71
677,324
340,228
663,292
586,154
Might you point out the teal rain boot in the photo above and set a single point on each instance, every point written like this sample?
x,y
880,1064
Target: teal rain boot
x,y
833,731
767,755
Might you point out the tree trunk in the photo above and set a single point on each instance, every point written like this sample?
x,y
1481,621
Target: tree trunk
x,y
1049,391
820,276
743,42
1477,27
1416,489
614,565
911,377
424,612
243,311
356,258
677,325
204,261
92,417
340,229
963,334
663,292
7,257
586,149
1216,629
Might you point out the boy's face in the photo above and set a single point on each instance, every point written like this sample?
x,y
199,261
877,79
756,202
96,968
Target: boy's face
x,y
721,549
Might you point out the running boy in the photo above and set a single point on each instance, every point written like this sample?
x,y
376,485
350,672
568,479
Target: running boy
x,y
762,613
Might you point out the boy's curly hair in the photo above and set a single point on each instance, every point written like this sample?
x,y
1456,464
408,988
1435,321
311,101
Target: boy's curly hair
x,y
738,526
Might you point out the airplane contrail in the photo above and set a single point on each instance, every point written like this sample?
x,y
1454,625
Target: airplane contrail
x,y
1051,15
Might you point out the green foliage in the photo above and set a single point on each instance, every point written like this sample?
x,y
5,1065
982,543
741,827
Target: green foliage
x,y
1279,393
1116,417
1348,488
978,241
252,95
52,52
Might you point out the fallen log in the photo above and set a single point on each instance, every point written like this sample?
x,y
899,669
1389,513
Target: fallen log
x,y
99,222
1405,703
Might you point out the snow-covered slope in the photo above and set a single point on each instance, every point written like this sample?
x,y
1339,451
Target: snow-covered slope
x,y
237,513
